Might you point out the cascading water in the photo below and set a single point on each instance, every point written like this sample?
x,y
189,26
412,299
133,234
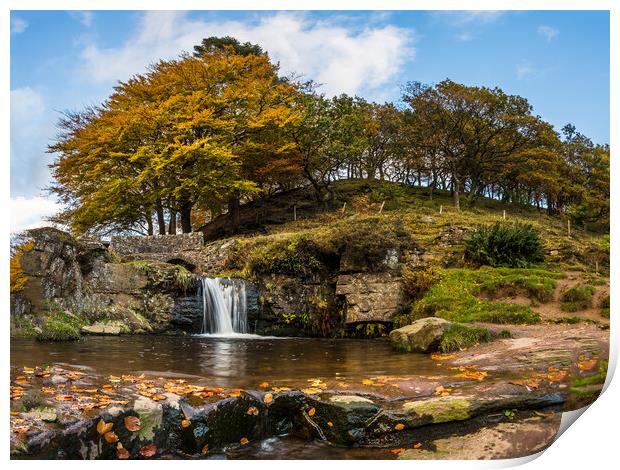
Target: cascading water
x,y
224,306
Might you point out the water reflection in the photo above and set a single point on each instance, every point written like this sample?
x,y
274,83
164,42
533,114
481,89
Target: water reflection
x,y
226,362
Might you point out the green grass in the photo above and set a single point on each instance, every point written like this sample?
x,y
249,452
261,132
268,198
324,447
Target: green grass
x,y
577,298
458,337
60,326
458,295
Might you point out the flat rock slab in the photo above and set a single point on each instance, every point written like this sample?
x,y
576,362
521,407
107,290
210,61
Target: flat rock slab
x,y
505,440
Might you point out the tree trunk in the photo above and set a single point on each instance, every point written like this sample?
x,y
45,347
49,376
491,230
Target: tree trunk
x,y
186,217
172,223
456,185
233,211
161,221
149,223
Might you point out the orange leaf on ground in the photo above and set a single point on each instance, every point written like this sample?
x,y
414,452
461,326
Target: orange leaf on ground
x,y
311,412
417,445
330,424
132,423
205,449
397,451
264,385
244,441
252,410
268,398
148,450
185,423
399,427
110,437
103,427
122,453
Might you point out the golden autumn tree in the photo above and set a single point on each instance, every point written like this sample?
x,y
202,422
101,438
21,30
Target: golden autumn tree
x,y
191,132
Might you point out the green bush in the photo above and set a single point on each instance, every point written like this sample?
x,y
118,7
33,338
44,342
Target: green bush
x,y
458,337
577,298
502,244
417,282
60,326
368,243
605,306
298,256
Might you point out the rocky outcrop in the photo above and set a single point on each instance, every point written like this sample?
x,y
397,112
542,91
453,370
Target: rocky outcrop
x,y
421,336
54,268
370,297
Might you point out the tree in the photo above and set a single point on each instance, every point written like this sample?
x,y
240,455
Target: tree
x,y
191,131
469,130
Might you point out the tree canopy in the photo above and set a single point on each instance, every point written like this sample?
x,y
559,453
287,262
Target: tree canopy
x,y
199,135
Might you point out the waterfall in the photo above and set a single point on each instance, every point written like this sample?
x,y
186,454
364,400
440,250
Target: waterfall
x,y
224,309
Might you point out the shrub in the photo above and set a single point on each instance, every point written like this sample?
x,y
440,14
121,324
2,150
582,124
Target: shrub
x,y
297,256
17,277
60,326
605,306
368,243
458,337
416,283
577,298
501,244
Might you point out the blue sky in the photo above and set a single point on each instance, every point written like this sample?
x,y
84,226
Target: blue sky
x,y
60,60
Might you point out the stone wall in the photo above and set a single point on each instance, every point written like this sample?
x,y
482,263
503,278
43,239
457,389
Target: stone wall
x,y
157,244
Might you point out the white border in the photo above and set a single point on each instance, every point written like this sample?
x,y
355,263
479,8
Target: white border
x,y
590,444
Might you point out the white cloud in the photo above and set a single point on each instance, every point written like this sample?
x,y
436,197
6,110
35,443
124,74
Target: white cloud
x,y
465,36
18,25
344,59
523,70
548,32
27,213
25,103
31,129
84,17
469,17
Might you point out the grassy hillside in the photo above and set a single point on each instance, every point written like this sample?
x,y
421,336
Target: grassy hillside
x,y
380,209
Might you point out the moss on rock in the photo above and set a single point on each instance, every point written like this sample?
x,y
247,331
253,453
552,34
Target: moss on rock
x,y
441,410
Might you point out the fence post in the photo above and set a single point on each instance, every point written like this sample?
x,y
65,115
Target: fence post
x,y
441,209
569,227
382,204
504,215
295,212
344,206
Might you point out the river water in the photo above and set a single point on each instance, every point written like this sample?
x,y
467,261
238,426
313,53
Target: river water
x,y
237,362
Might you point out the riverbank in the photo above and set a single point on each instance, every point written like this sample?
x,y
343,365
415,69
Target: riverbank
x,y
518,385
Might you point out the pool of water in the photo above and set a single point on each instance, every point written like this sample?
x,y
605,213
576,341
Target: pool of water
x,y
242,362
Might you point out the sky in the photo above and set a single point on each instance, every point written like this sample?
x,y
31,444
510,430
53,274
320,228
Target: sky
x,y
60,60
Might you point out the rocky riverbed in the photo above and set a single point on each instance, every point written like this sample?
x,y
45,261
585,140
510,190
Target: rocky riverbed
x,y
502,392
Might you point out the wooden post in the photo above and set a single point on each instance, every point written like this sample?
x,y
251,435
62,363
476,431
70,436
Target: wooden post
x,y
504,215
596,264
344,206
569,227
295,212
382,204
441,209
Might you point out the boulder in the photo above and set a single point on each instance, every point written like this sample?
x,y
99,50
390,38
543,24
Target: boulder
x,y
110,328
422,335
